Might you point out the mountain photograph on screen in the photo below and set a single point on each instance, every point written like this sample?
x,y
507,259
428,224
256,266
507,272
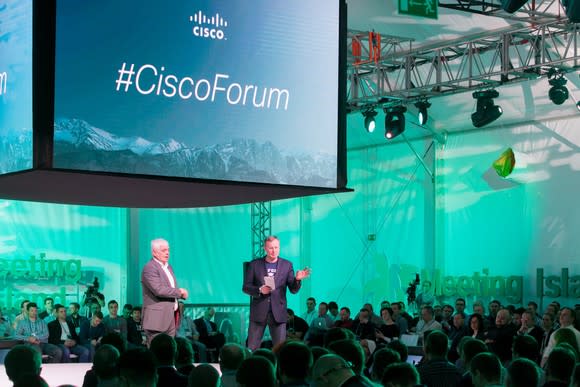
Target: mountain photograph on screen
x,y
15,85
213,89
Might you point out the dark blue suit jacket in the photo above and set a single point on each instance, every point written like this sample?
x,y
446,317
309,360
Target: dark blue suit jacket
x,y
260,304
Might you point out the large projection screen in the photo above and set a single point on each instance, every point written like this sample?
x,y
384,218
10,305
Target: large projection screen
x,y
15,85
244,91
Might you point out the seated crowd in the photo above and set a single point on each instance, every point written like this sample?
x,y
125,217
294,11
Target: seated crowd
x,y
325,347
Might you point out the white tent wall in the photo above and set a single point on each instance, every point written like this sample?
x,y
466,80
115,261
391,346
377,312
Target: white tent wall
x,y
57,250
511,227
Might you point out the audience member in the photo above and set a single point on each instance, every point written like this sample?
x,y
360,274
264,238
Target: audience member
x,y
332,370
388,331
296,327
400,348
22,359
485,370
567,320
548,328
475,327
106,366
294,364
381,360
186,328
30,380
500,338
204,375
231,356
48,307
184,358
559,367
318,352
427,322
522,372
362,327
525,346
137,368
400,375
335,334
208,333
435,369
333,310
74,317
113,322
319,325
92,331
399,317
494,307
268,355
164,350
350,351
135,334
256,371
127,311
23,315
61,333
34,331
310,313
344,321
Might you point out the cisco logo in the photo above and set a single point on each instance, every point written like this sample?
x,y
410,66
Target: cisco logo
x,y
210,27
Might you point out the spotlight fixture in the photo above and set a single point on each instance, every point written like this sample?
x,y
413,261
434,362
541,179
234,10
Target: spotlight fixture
x,y
422,115
394,121
369,116
486,111
558,92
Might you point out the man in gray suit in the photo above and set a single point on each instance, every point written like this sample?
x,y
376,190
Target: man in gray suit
x,y
160,293
266,281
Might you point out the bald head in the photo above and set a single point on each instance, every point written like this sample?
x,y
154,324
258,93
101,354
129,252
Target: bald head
x,y
331,370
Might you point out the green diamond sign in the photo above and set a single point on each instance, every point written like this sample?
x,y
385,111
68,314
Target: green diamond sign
x,y
422,8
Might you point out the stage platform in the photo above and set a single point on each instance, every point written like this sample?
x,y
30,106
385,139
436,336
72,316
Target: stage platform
x,y
58,374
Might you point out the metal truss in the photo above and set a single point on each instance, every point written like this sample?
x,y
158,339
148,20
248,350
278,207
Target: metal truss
x,y
512,54
539,10
261,226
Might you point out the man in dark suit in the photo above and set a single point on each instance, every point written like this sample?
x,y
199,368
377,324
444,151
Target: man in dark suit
x,y
160,293
61,332
266,281
209,334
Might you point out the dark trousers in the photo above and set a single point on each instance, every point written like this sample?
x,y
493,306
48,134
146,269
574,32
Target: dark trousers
x,y
256,332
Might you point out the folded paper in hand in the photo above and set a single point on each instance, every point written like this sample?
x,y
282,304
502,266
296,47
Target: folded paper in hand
x,y
269,281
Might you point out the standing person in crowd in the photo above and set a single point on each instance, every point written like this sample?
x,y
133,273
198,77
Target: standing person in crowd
x,y
34,331
61,333
160,292
266,281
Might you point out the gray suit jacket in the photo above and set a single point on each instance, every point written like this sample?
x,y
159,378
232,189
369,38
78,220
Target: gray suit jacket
x,y
158,298
260,304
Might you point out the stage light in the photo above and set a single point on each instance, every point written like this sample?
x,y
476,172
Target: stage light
x,y
422,115
486,111
558,92
370,124
394,121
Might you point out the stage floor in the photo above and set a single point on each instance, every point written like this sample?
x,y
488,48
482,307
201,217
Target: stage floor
x,y
58,374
